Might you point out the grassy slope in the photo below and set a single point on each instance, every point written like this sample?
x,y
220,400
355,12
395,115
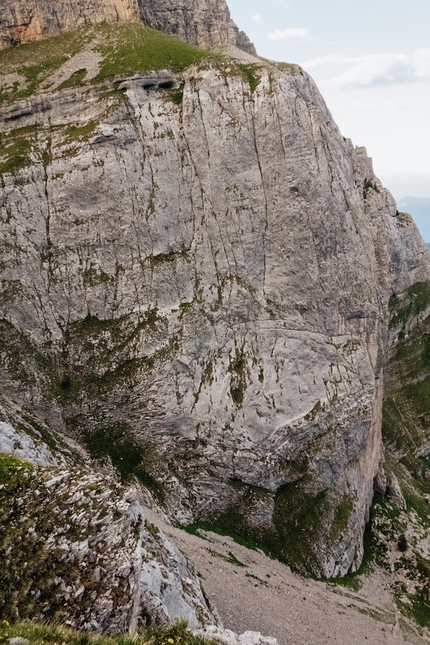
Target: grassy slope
x,y
54,633
125,50
397,534
406,423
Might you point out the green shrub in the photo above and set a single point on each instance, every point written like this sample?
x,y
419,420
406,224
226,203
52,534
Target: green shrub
x,y
402,543
75,79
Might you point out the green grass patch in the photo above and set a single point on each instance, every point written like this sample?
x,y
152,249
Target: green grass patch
x,y
16,147
33,516
306,524
135,48
230,558
368,185
341,517
49,633
406,412
388,526
94,277
197,527
300,520
98,358
410,304
76,79
177,96
250,73
18,356
40,432
420,611
414,485
303,523
10,467
233,560
79,133
288,68
403,219
131,457
373,550
250,492
416,608
27,565
171,256
126,49
238,371
36,61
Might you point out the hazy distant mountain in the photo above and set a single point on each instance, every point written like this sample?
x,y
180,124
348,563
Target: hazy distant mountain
x,y
419,208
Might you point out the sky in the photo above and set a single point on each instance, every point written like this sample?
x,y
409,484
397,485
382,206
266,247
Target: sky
x,y
371,62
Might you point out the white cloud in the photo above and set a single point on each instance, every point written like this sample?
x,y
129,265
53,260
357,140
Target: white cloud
x,y
324,60
256,18
281,34
421,61
377,69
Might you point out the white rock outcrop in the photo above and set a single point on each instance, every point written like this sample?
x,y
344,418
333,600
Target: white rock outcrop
x,y
24,447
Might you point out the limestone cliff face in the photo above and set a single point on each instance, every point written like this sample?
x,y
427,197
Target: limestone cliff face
x,y
200,278
206,23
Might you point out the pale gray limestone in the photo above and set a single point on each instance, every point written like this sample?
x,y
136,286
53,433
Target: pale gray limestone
x,y
214,277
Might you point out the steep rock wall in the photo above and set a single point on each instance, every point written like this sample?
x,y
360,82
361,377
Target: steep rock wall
x,y
201,279
206,23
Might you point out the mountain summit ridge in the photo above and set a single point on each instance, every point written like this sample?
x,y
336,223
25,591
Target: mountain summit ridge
x,y
206,23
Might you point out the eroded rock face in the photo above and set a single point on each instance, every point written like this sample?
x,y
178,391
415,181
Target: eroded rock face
x,y
204,283
206,23
22,21
76,546
24,447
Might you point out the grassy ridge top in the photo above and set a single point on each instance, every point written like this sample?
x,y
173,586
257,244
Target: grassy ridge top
x,y
123,50
134,48
105,52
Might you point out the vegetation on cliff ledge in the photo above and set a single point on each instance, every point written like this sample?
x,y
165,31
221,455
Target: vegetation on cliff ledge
x,y
406,418
401,534
122,50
